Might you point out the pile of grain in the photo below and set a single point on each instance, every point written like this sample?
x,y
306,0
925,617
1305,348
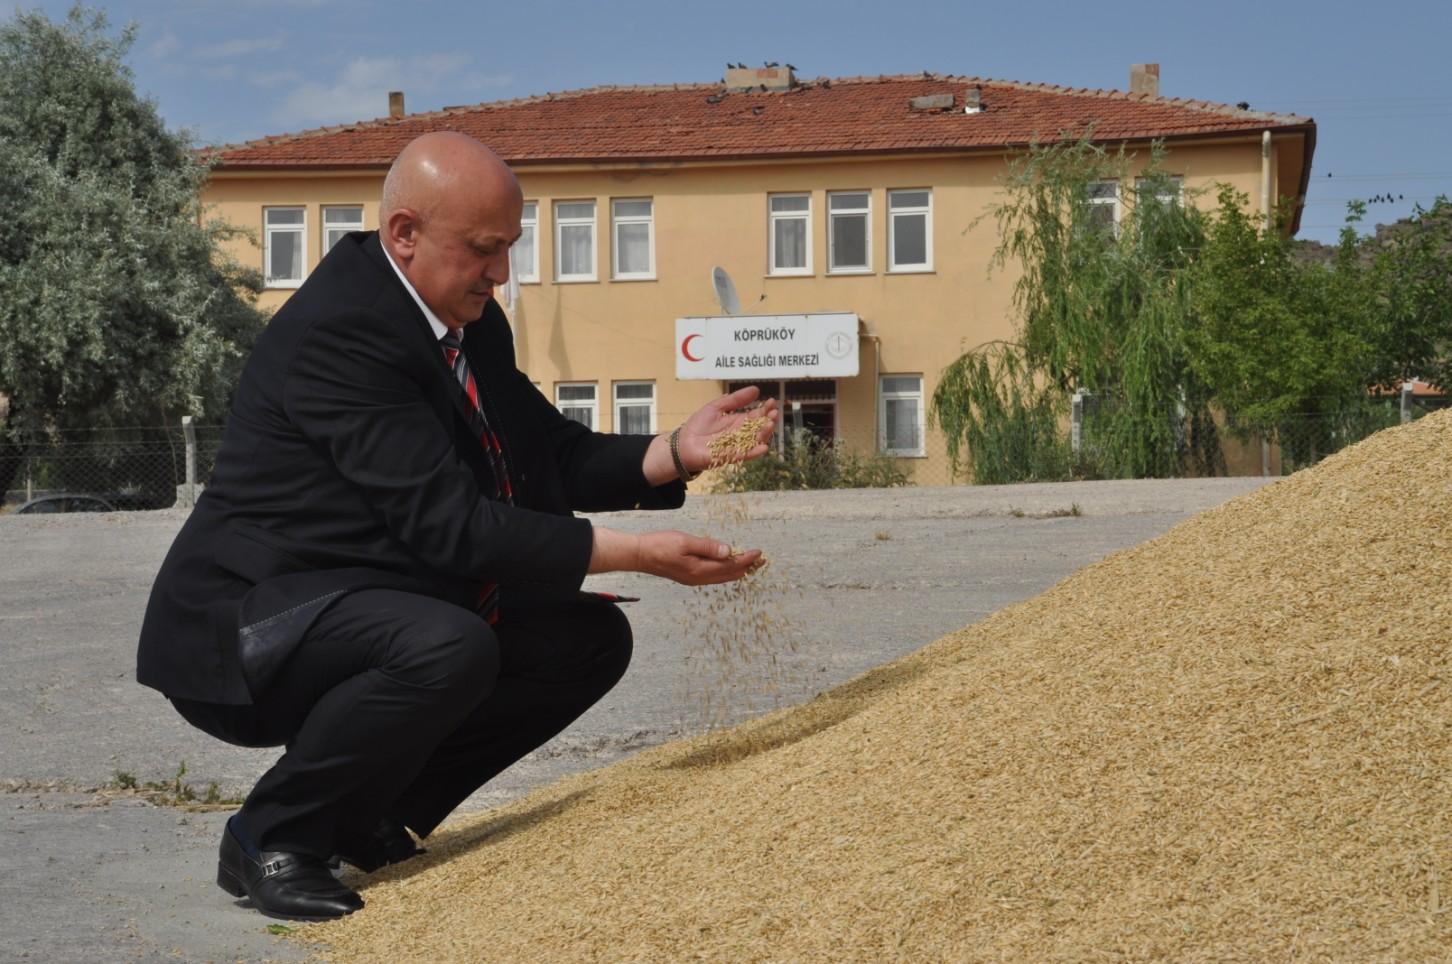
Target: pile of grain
x,y
1231,743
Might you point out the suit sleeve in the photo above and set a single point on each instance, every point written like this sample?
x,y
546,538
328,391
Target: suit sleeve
x,y
356,390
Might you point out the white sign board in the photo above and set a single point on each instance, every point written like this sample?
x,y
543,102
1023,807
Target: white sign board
x,y
745,347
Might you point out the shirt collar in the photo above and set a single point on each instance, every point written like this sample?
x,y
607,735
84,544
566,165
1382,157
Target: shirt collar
x,y
440,329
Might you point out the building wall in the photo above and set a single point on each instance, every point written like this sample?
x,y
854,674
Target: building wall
x,y
609,330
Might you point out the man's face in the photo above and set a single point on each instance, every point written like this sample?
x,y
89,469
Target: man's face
x,y
461,255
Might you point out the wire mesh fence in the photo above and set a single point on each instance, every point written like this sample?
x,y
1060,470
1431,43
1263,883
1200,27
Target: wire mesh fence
x,y
160,467
145,467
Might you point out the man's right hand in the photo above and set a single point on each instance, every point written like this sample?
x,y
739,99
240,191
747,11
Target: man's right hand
x,y
678,556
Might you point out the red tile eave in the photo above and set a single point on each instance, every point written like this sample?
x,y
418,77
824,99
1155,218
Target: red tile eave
x,y
1213,133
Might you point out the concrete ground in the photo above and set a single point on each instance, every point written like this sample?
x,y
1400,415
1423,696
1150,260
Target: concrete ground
x,y
93,871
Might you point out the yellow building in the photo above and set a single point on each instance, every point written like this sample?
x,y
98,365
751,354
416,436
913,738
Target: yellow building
x,y
856,197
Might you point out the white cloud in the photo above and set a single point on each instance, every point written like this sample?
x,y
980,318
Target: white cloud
x,y
239,47
360,91
164,46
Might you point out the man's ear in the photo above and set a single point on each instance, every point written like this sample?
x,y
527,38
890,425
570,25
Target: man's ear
x,y
401,231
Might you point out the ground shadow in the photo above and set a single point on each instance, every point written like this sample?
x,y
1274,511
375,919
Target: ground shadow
x,y
822,713
451,844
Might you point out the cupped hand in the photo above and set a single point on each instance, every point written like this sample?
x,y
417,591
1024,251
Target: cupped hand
x,y
693,560
723,415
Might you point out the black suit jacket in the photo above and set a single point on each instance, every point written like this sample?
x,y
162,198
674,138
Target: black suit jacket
x,y
348,463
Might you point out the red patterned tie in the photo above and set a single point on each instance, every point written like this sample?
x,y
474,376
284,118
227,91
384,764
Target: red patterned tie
x,y
488,606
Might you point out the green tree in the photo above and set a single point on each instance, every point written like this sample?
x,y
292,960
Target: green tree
x,y
1103,308
1282,344
1410,274
117,308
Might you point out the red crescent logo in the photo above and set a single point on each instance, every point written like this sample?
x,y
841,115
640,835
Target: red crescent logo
x,y
686,348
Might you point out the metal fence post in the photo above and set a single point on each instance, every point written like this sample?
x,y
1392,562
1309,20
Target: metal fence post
x,y
1076,422
1406,402
189,432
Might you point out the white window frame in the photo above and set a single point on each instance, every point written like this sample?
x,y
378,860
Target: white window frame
x,y
528,221
301,230
892,213
771,218
344,226
1112,201
560,224
865,213
616,220
1177,198
593,405
883,396
620,403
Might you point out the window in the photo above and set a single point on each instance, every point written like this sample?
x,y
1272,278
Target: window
x,y
284,246
635,408
633,243
849,235
576,401
1104,205
900,414
338,221
790,238
910,230
1161,188
524,256
574,240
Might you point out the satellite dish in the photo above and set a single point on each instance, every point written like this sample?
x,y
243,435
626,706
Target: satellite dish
x,y
725,291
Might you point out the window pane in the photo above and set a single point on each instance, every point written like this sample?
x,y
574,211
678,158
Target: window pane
x,y
800,202
585,416
276,216
910,239
634,420
847,202
849,241
634,253
334,235
1102,216
576,393
907,199
577,255
524,253
531,211
902,424
348,216
901,383
575,209
635,391
791,242
1104,189
285,261
632,209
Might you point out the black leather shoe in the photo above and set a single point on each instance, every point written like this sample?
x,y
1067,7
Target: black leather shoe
x,y
284,885
389,843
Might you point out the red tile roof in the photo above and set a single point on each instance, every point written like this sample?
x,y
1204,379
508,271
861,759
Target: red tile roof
x,y
817,118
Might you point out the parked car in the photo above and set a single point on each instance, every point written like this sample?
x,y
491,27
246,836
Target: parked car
x,y
65,502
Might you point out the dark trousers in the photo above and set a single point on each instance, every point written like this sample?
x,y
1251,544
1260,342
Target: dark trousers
x,y
399,705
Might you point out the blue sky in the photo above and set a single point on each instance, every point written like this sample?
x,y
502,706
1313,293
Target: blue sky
x,y
1376,77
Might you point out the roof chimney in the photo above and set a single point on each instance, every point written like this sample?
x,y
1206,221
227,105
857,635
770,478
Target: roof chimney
x,y
771,77
395,103
1144,79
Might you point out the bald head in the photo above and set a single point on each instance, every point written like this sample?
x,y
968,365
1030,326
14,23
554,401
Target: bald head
x,y
443,168
450,212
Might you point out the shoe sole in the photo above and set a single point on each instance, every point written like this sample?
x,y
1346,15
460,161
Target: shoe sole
x,y
229,882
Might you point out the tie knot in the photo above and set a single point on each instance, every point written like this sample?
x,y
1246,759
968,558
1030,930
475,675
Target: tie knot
x,y
451,342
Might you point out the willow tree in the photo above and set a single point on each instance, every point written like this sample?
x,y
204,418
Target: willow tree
x,y
1102,306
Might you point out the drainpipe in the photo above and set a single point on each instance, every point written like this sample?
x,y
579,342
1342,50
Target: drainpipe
x,y
1265,178
876,391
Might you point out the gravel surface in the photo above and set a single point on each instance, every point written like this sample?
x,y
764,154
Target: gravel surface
x,y
92,872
